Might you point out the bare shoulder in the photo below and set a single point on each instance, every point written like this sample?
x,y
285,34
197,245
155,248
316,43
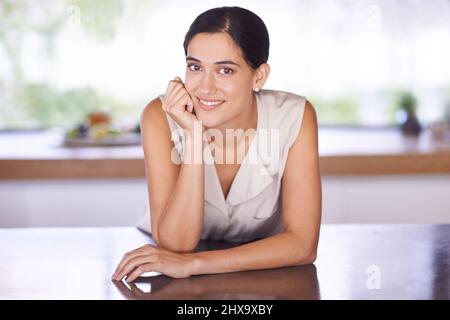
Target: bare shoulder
x,y
153,112
155,129
309,121
307,138
154,124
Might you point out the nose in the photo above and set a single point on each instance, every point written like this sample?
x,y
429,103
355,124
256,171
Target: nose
x,y
208,83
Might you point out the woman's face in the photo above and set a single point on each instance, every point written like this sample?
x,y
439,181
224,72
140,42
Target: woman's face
x,y
217,72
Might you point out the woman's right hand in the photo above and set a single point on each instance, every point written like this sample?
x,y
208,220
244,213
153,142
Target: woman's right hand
x,y
179,105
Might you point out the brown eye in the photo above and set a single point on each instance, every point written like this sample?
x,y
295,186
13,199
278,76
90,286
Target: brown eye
x,y
227,71
193,67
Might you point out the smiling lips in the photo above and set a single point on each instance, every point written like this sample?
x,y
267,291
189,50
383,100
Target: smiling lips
x,y
210,104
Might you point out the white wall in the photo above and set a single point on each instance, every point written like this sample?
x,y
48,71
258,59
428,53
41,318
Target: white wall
x,y
72,202
388,199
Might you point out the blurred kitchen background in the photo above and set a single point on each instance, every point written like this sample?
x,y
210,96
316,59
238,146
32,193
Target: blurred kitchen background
x,y
75,76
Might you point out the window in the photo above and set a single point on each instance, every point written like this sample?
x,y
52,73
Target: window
x,y
352,59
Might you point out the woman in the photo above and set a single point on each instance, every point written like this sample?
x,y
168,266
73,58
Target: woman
x,y
273,205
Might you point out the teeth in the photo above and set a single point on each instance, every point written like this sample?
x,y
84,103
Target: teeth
x,y
210,103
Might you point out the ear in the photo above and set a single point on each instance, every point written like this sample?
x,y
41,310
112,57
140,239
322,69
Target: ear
x,y
261,75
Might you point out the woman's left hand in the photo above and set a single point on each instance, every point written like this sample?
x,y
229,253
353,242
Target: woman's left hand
x,y
150,258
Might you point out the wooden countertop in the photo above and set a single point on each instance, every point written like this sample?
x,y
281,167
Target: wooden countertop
x,y
343,151
354,262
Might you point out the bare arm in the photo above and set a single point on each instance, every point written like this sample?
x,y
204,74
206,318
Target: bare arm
x,y
297,245
180,224
301,203
176,191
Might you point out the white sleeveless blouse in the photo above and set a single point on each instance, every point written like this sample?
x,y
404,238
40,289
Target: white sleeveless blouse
x,y
252,209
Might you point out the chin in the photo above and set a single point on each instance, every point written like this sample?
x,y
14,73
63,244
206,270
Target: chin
x,y
209,123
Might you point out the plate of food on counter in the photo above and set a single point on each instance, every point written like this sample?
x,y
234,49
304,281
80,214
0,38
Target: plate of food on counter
x,y
98,130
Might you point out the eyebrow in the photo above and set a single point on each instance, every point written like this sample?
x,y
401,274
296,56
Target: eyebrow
x,y
217,62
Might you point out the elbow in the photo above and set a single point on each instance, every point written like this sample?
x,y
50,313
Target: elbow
x,y
311,257
177,245
178,248
307,256
306,252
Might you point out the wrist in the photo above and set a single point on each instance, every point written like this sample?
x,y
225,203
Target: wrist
x,y
195,264
196,132
193,148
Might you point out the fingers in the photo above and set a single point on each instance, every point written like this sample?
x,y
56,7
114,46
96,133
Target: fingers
x,y
178,96
175,89
187,100
174,85
180,101
124,262
133,264
142,269
144,250
190,105
173,92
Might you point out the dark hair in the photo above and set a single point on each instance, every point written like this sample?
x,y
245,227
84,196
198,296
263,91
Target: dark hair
x,y
246,29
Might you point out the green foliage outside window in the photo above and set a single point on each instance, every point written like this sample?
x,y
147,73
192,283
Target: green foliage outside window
x,y
343,109
42,105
